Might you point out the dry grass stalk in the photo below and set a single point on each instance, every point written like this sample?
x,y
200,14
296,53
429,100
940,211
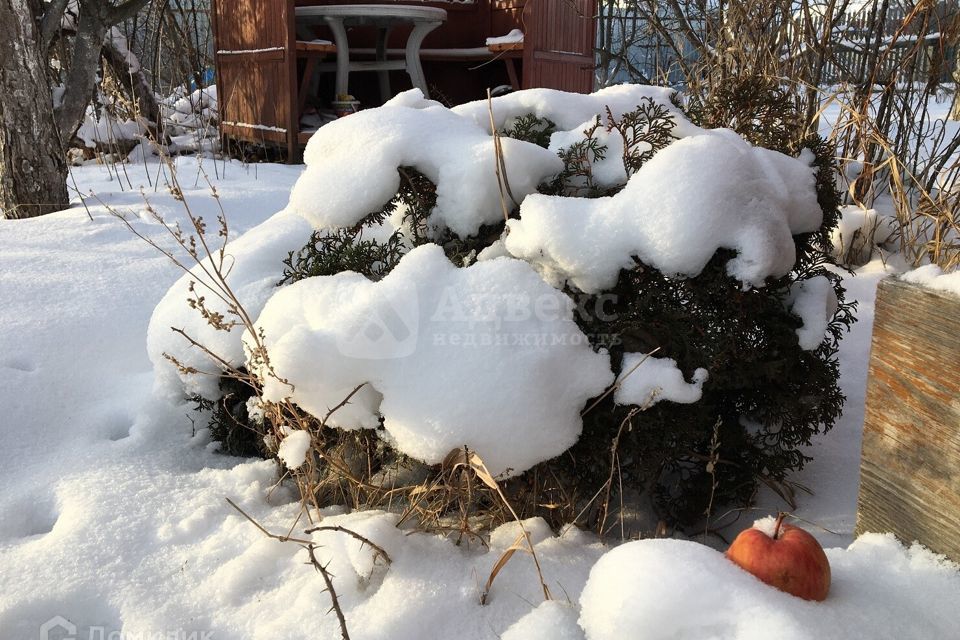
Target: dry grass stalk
x,y
499,166
712,470
615,467
520,544
618,382
466,459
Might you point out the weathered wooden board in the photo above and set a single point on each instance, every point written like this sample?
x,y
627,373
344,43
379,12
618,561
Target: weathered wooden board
x,y
910,467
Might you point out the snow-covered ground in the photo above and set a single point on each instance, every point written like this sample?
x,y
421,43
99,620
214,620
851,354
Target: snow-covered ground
x,y
114,511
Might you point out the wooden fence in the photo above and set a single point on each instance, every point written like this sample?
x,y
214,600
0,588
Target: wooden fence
x,y
866,45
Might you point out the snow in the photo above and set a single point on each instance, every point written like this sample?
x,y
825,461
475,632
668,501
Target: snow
x,y
117,40
433,344
199,99
933,277
451,151
190,119
293,448
258,127
767,525
646,380
228,52
813,301
681,590
722,193
552,620
104,128
859,233
114,500
570,110
408,131
515,36
144,150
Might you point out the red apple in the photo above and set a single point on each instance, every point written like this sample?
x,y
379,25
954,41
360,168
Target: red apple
x,y
790,559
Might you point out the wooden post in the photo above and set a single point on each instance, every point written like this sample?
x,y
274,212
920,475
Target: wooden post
x,y
910,467
292,113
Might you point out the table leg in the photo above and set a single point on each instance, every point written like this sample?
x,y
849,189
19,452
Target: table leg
x,y
343,55
512,74
414,70
384,75
305,83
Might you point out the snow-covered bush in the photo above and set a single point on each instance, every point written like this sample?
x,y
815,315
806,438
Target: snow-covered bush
x,y
433,287
188,124
191,119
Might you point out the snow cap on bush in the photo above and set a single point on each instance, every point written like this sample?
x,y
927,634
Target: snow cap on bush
x,y
700,194
486,357
352,166
569,111
646,380
351,171
813,301
294,447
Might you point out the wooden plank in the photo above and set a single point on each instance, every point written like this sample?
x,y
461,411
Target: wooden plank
x,y
292,88
250,133
253,92
314,47
255,55
910,467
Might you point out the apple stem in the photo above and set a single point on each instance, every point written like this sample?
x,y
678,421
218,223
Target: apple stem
x,y
776,526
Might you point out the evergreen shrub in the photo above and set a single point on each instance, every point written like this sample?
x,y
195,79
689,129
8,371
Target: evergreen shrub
x,y
766,397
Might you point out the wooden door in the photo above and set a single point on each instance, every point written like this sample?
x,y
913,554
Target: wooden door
x,y
255,56
558,44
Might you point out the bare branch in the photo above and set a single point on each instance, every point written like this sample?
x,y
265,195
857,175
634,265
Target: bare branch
x,y
126,10
50,24
349,532
344,633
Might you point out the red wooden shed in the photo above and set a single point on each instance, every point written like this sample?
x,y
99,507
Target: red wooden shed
x,y
262,68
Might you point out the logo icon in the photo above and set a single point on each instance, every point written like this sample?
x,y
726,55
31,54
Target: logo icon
x,y
387,327
58,628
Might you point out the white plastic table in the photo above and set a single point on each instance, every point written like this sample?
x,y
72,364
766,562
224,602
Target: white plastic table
x,y
383,17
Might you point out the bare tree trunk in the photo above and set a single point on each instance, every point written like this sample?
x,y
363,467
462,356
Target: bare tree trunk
x,y
93,22
81,82
33,170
